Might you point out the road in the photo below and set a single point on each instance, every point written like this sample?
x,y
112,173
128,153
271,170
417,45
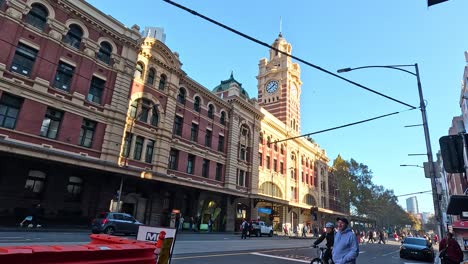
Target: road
x,y
192,248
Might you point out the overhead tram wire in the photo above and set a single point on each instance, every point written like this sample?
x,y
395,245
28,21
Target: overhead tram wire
x,y
284,53
342,126
412,193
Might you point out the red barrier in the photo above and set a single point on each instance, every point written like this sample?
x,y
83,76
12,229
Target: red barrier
x,y
15,255
111,250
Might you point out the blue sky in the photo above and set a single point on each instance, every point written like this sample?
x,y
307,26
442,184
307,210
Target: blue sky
x,y
333,34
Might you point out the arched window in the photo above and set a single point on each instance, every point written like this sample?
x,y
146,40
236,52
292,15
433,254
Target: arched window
x,y
181,96
74,35
105,52
196,104
138,70
151,74
37,17
310,200
211,111
35,181
222,120
162,82
74,187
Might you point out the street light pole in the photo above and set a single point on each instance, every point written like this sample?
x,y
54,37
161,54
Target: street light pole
x,y
435,196
422,106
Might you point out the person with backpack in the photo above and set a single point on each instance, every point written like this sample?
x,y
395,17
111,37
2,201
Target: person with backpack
x,y
329,235
244,228
450,251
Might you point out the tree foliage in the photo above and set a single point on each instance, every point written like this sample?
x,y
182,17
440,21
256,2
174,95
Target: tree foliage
x,y
360,196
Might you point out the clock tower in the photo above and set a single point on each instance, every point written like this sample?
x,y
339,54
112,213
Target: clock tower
x,y
279,85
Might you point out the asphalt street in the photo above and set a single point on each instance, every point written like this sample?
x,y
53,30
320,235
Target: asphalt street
x,y
191,248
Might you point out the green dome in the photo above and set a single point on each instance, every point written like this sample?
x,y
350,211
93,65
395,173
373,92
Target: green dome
x,y
224,86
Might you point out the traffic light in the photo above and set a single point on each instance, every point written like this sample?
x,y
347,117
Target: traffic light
x,y
451,148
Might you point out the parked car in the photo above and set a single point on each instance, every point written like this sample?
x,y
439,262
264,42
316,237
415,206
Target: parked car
x,y
417,247
260,228
111,223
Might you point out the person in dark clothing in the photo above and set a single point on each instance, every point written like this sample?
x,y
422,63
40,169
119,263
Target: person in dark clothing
x,y
450,250
244,228
329,234
36,215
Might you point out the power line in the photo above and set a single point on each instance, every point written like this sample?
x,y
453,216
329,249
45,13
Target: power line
x,y
412,193
342,126
284,53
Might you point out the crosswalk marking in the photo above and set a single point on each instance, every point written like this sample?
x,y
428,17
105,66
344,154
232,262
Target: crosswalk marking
x,y
278,257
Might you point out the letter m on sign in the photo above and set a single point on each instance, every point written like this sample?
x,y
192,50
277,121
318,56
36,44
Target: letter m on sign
x,y
151,236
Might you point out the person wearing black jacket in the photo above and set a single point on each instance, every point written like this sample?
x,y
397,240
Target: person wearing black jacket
x,y
329,235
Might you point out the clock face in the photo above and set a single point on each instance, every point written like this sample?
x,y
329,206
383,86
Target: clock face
x,y
272,86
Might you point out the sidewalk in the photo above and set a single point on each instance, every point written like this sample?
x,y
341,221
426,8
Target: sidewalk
x,y
56,228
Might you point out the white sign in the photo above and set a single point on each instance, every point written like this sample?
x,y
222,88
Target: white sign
x,y
162,237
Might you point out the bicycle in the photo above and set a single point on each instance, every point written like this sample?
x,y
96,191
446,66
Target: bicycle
x,y
320,259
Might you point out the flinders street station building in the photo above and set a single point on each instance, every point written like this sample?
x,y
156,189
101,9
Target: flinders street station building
x,y
95,117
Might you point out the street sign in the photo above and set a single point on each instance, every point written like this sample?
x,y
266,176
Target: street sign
x,y
164,239
264,210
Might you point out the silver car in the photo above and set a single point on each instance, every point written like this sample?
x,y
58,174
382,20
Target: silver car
x,y
111,223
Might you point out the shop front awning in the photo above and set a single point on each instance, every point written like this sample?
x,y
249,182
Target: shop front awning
x,y
460,224
457,204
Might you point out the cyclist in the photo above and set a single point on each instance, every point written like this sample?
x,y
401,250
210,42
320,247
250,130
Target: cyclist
x,y
329,234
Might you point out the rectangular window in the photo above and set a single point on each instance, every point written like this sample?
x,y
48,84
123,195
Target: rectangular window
x,y
96,90
51,123
221,143
127,144
242,153
281,167
149,151
268,162
260,158
190,164
302,176
63,76
219,171
138,148
194,132
241,178
88,128
275,165
206,168
173,159
208,138
24,59
9,110
178,123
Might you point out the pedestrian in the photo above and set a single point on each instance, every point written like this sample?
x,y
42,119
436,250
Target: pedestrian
x,y
395,236
315,231
345,246
181,223
210,225
191,223
285,228
329,235
436,239
371,237
450,251
244,229
304,230
36,216
381,237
